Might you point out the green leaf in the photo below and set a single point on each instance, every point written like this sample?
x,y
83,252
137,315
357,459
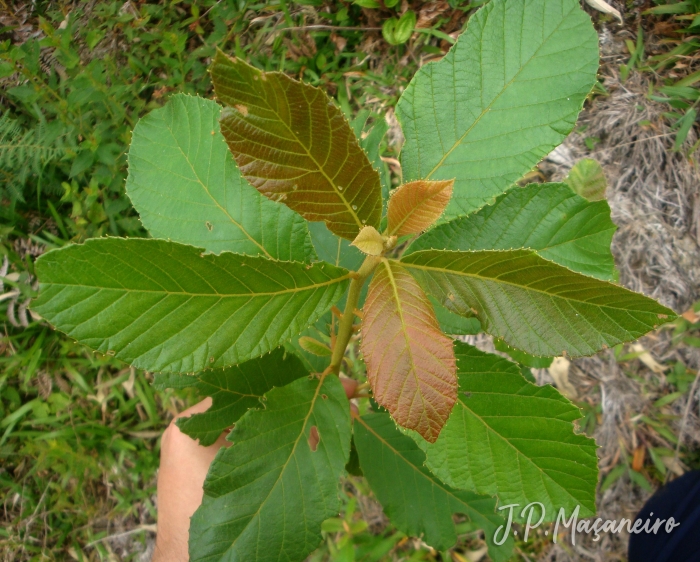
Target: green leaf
x,y
684,125
404,27
398,31
505,95
587,179
82,162
187,188
337,251
371,142
178,381
533,304
674,8
511,438
353,465
389,31
549,218
163,306
294,145
522,357
266,496
234,390
371,137
612,476
318,330
315,347
452,323
415,501
640,480
527,374
333,249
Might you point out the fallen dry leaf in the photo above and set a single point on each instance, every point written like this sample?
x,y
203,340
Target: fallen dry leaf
x,y
691,316
674,465
559,371
605,8
638,458
646,358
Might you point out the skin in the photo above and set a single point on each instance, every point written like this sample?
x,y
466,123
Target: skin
x,y
183,467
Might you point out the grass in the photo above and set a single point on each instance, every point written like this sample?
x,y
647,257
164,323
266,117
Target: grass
x,y
674,61
79,431
79,446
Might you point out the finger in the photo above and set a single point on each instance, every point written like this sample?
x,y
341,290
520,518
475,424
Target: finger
x,y
185,444
222,441
198,408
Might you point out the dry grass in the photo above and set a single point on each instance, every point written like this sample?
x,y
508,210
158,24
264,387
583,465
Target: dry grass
x,y
654,193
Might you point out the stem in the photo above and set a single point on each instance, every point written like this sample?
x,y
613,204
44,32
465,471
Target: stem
x,y
345,327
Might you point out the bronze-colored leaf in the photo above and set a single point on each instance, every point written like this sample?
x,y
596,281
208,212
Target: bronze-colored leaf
x,y
295,146
416,205
410,362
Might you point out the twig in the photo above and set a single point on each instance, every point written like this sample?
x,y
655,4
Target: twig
x,y
210,9
607,148
9,295
29,521
319,27
691,399
148,528
346,323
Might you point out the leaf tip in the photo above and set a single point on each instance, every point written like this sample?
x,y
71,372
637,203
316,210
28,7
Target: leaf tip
x,y
418,386
415,206
369,241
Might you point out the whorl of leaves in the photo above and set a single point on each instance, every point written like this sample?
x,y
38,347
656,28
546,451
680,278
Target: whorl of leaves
x,y
253,305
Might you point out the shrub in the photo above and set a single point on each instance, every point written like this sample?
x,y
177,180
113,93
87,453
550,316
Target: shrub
x,y
239,289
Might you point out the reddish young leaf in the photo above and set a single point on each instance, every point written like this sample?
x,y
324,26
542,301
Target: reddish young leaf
x,y
416,205
295,146
410,362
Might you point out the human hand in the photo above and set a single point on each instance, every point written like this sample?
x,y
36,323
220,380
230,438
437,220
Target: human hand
x,y
184,464
183,467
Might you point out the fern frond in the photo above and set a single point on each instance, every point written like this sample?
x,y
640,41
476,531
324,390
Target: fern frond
x,y
24,153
